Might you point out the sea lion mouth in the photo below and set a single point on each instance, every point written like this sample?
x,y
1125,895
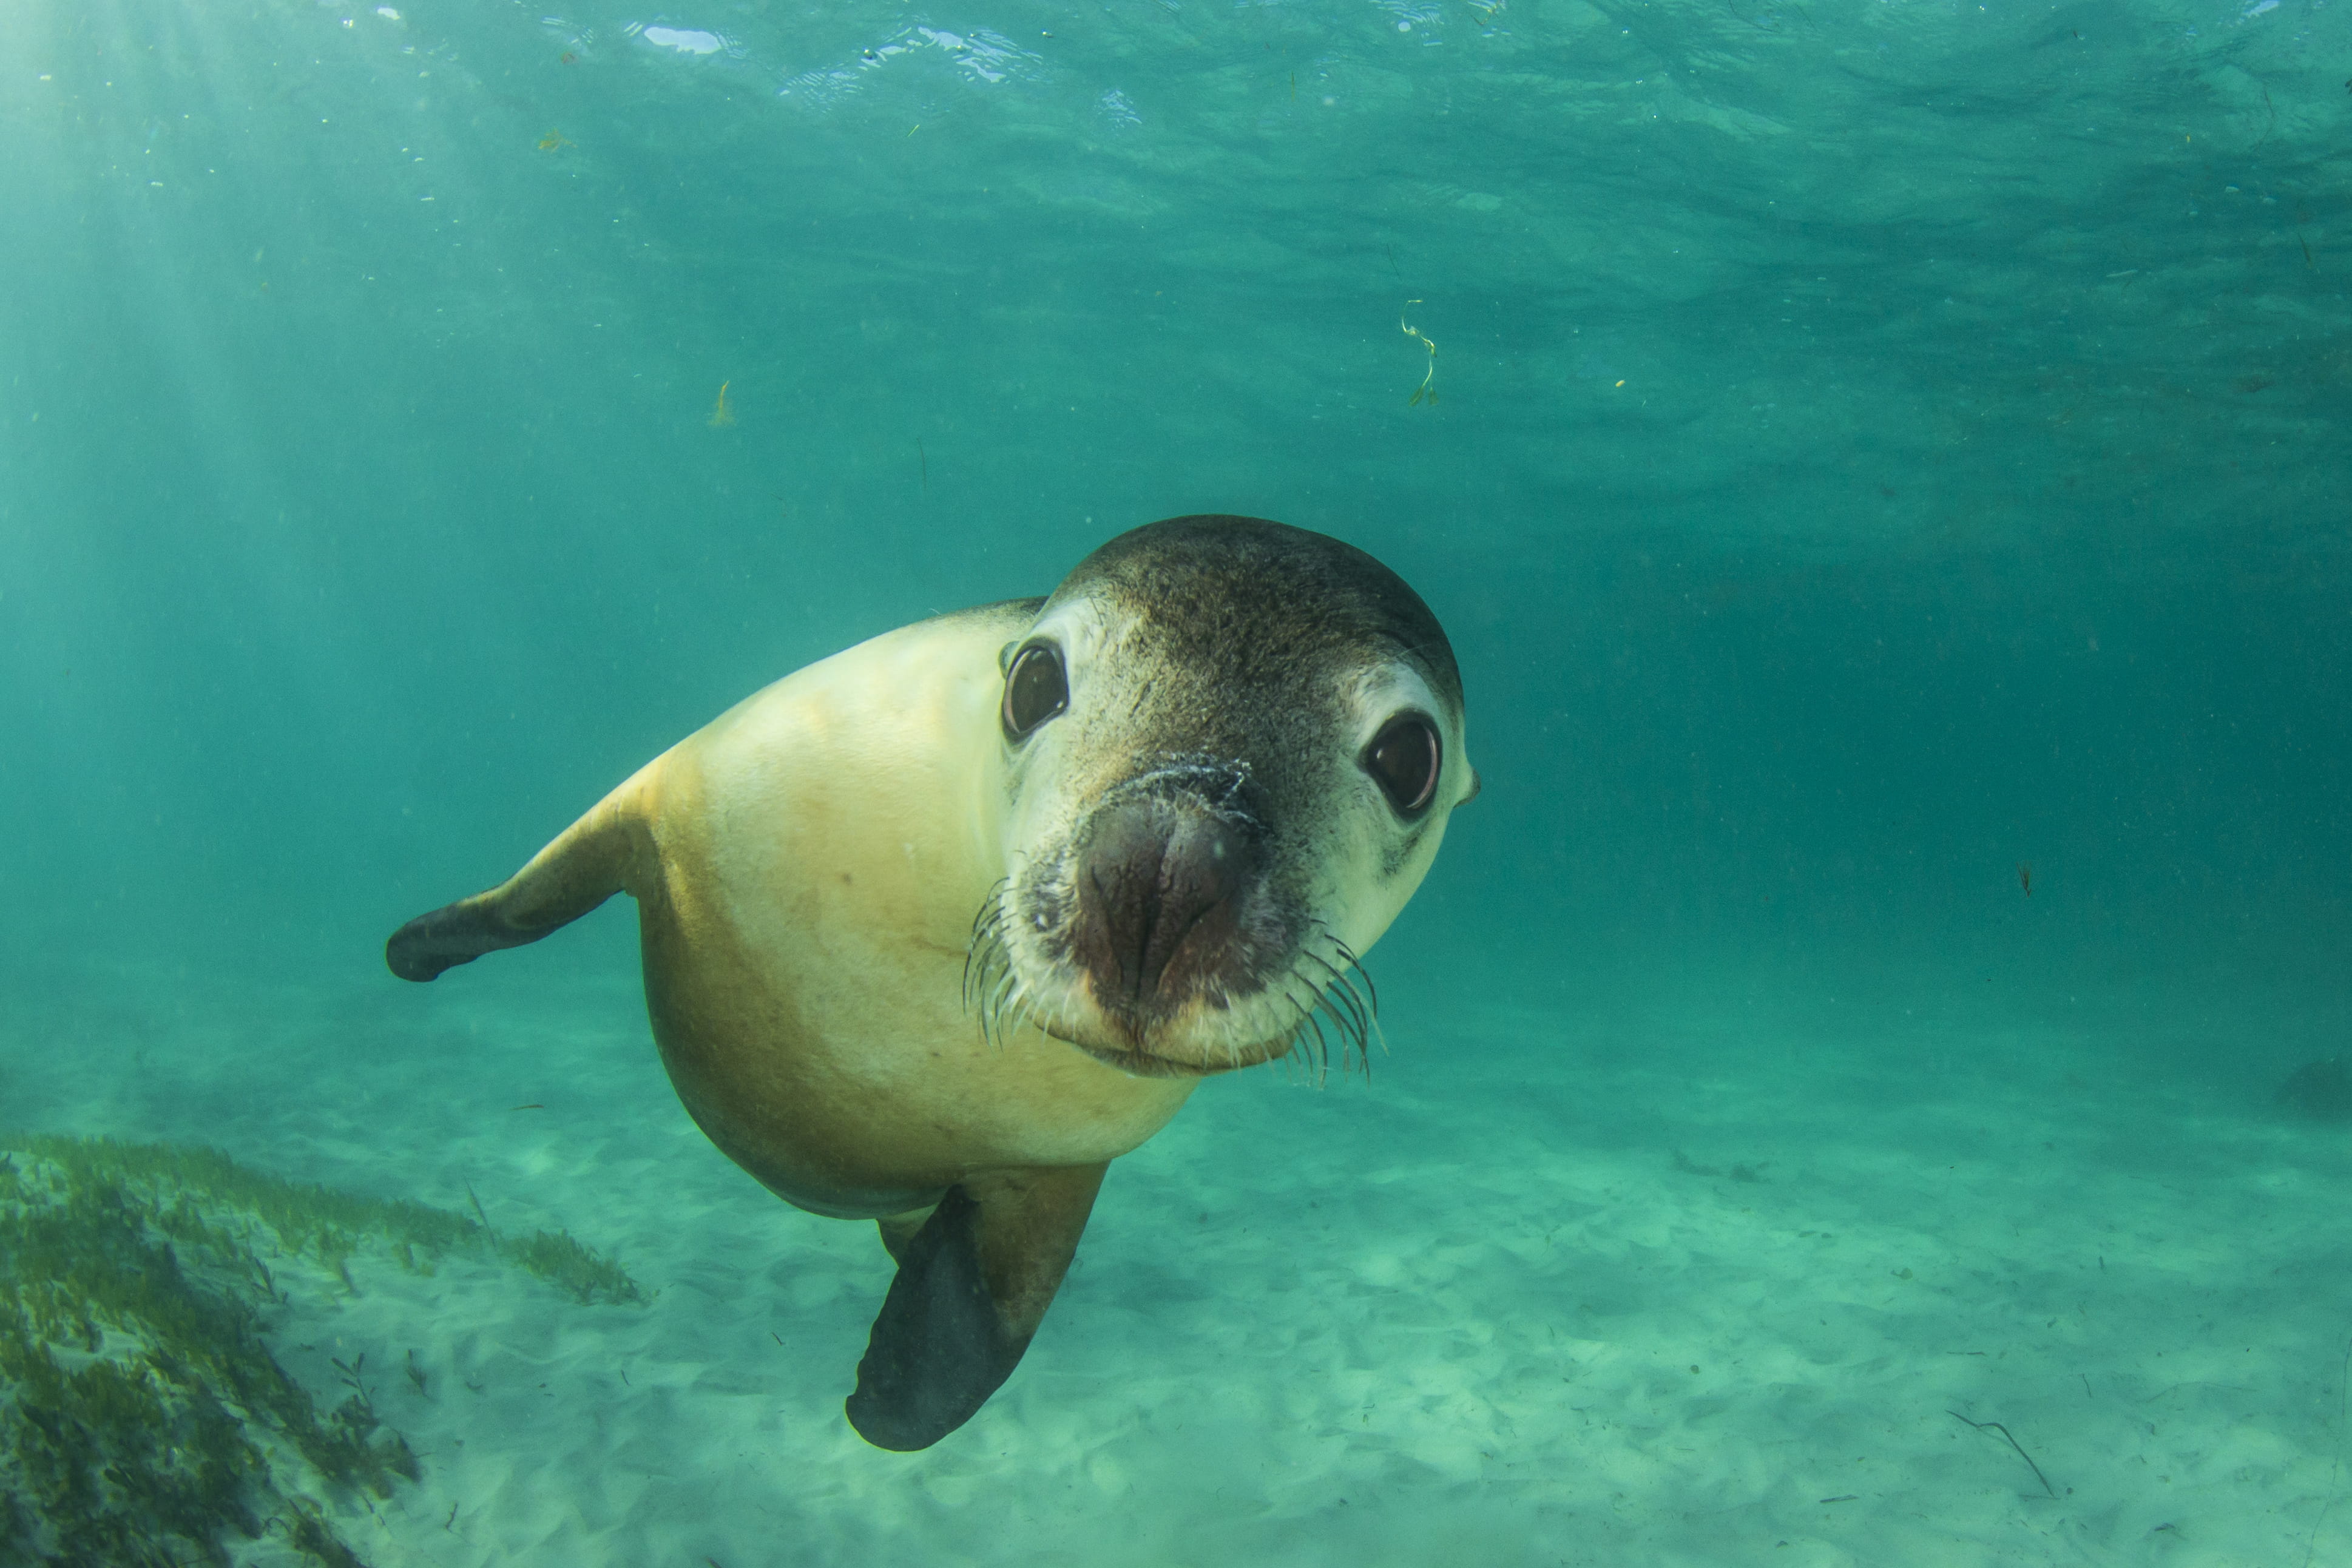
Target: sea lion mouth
x,y
1322,997
1144,1064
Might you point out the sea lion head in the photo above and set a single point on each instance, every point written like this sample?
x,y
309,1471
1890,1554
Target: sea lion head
x,y
1230,748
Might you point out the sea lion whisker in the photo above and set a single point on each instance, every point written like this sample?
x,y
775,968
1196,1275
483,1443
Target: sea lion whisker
x,y
1299,1030
1344,1007
980,971
1220,999
1340,996
1369,1022
984,923
992,907
1061,1015
1312,1017
1009,994
1336,1001
1345,1028
1377,1034
1029,1015
1322,1051
985,952
1299,1056
1338,976
1348,963
992,1004
1370,990
1297,1041
1350,1030
1368,995
1361,1024
1363,1054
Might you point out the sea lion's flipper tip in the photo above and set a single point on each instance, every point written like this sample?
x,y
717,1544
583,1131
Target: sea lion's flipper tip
x,y
588,863
451,936
413,952
939,1347
973,1284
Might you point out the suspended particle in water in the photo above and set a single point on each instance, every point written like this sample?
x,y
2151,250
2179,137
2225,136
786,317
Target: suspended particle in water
x,y
1427,391
721,415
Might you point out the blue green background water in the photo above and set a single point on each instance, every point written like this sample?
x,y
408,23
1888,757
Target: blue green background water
x,y
1877,446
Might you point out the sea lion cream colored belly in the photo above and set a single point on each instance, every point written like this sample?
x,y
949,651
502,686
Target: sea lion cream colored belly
x,y
938,927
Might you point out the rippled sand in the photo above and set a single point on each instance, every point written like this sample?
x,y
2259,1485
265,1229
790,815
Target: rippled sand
x,y
1707,1279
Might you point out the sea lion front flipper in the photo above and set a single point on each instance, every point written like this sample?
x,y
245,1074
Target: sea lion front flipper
x,y
973,1284
587,863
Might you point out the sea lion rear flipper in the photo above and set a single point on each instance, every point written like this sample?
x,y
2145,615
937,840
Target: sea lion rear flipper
x,y
973,1284
588,863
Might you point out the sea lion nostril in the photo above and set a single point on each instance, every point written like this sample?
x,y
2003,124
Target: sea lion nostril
x,y
1161,886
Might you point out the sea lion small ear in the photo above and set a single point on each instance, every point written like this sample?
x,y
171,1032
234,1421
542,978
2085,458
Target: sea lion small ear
x,y
1477,783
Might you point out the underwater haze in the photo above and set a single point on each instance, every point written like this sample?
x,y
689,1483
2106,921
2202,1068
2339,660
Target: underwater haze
x,y
1860,1083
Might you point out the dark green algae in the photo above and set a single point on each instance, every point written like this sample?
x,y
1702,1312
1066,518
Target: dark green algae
x,y
143,1420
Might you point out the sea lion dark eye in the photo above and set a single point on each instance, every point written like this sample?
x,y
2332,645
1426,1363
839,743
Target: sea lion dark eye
x,y
1403,760
1035,690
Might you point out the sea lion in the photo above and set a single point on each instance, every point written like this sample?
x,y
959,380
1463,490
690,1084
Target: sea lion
x,y
938,927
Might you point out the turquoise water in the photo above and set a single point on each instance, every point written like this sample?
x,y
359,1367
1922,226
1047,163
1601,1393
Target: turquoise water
x,y
1875,449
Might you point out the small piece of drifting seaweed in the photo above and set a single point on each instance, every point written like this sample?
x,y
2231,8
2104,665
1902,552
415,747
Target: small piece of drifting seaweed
x,y
2319,1092
1997,1426
142,1417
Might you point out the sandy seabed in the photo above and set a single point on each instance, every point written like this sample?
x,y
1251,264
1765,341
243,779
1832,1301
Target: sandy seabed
x,y
1711,1278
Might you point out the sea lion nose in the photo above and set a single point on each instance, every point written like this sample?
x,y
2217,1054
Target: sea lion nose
x,y
1158,899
